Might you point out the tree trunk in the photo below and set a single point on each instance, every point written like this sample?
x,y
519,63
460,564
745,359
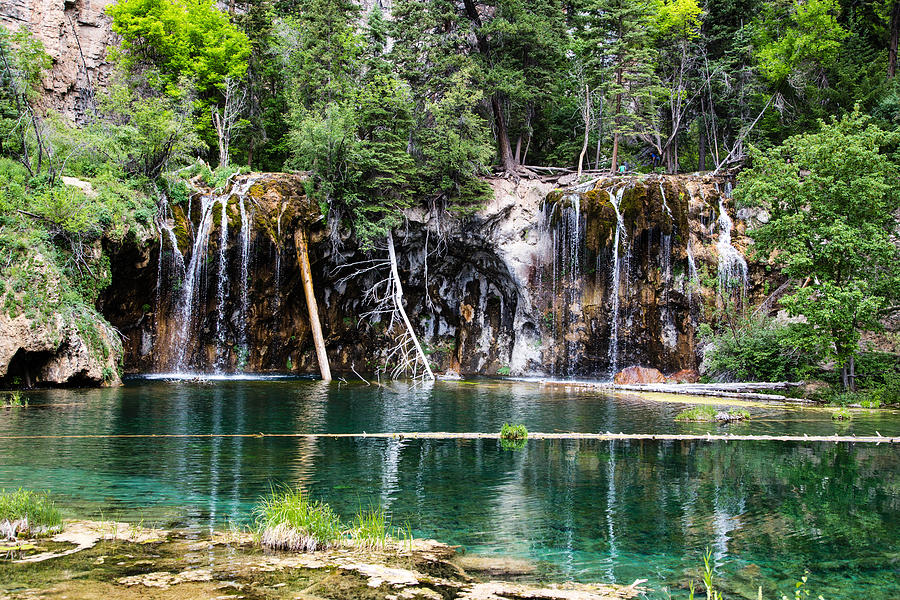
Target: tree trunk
x,y
519,150
507,160
587,127
895,37
398,302
701,151
302,245
852,375
615,152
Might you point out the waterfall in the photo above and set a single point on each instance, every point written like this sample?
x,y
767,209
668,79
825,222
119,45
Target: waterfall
x,y
616,279
245,276
670,334
222,286
732,266
190,290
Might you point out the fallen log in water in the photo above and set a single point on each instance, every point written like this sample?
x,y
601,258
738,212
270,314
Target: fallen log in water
x,y
449,435
673,388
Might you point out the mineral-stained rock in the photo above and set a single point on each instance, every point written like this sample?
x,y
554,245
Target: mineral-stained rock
x,y
684,376
633,375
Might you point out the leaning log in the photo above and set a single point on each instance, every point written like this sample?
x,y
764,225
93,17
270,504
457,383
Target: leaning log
x,y
302,245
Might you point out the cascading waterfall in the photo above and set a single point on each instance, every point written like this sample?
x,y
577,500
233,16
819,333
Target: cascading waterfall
x,y
670,333
222,286
615,200
190,290
245,277
732,266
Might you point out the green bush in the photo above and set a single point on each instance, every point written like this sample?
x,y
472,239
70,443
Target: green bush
x,y
289,520
757,350
27,512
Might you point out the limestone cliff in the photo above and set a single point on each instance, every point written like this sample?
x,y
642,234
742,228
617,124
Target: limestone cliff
x,y
76,34
575,281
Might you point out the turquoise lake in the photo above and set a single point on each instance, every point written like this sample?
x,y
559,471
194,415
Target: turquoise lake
x,y
582,510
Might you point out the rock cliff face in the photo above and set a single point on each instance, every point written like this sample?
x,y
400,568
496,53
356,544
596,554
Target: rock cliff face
x,y
44,347
570,282
75,34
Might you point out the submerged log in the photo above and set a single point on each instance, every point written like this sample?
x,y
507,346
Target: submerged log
x,y
315,326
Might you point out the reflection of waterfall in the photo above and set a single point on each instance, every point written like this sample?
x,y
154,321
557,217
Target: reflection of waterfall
x,y
616,268
611,510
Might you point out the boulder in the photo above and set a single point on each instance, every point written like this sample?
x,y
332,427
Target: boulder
x,y
684,376
633,375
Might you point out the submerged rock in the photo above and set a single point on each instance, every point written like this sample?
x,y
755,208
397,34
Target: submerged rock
x,y
684,376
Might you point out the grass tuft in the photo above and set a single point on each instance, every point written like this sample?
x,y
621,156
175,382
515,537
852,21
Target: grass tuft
x,y
28,513
841,414
288,520
371,528
15,399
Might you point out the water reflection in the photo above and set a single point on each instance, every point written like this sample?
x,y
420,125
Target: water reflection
x,y
584,510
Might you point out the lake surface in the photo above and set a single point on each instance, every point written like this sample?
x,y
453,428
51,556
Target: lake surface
x,y
585,510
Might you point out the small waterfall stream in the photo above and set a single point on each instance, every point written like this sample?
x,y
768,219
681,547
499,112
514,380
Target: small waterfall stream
x,y
616,269
732,266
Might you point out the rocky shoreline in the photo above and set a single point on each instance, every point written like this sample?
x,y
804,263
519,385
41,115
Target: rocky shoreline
x,y
91,559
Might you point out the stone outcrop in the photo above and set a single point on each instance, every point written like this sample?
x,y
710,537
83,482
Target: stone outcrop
x,y
633,375
76,35
36,351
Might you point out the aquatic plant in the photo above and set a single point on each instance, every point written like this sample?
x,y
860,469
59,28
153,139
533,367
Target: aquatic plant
x,y
289,520
513,432
29,513
841,414
707,413
15,399
371,528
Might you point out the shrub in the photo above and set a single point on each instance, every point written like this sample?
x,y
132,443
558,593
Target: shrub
x,y
15,399
28,512
288,520
756,350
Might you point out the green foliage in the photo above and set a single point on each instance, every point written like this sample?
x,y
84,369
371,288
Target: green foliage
x,y
289,520
503,371
145,133
841,414
371,528
707,413
810,37
757,349
35,512
15,399
832,195
184,40
513,432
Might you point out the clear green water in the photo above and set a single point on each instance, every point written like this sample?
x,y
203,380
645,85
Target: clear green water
x,y
581,510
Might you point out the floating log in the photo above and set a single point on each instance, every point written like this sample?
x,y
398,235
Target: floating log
x,y
445,435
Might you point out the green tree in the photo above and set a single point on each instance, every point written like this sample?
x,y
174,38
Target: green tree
x,y
614,41
832,195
